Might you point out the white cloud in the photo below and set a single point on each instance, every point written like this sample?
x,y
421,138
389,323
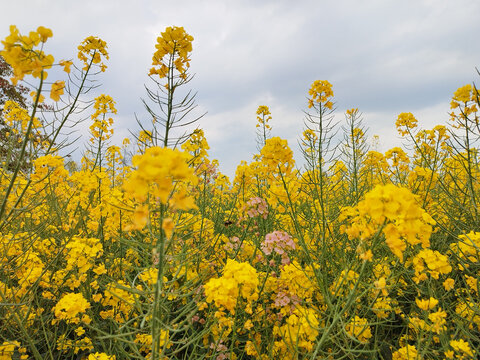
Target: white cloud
x,y
384,57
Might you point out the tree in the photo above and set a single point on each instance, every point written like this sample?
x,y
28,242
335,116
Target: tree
x,y
9,91
10,141
8,146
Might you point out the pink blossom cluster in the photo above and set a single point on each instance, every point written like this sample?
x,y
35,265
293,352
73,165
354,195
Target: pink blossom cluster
x,y
279,242
283,299
198,319
256,207
233,244
220,348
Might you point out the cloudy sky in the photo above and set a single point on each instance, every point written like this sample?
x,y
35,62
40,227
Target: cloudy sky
x,y
382,56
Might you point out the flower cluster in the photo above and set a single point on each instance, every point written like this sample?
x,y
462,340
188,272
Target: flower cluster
x,y
468,248
145,342
71,308
101,356
431,262
405,123
466,101
395,211
57,90
101,127
49,166
177,44
359,329
93,50
295,283
82,253
276,154
398,157
158,170
263,116
408,352
279,242
197,146
461,350
298,334
463,95
7,350
237,280
21,53
118,301
256,206
17,118
321,93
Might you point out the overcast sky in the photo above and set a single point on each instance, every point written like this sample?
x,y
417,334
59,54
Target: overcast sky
x,y
384,57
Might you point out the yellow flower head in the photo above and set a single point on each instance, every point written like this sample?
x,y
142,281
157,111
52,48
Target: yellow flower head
x,y
17,117
462,348
263,117
168,226
57,90
462,95
66,65
405,122
173,48
408,352
426,304
321,93
20,52
101,356
102,125
238,280
93,49
70,307
396,210
358,328
157,171
276,152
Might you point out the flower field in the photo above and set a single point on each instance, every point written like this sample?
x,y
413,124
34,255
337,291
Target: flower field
x,y
147,251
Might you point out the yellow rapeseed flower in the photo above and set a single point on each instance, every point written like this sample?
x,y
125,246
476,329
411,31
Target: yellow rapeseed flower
x,y
426,304
57,90
70,307
175,43
93,49
20,52
408,352
358,328
321,92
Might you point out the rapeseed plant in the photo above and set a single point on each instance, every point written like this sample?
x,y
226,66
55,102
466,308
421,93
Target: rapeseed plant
x,y
157,255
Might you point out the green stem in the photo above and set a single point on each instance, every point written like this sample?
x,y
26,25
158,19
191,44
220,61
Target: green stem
x,y
158,288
